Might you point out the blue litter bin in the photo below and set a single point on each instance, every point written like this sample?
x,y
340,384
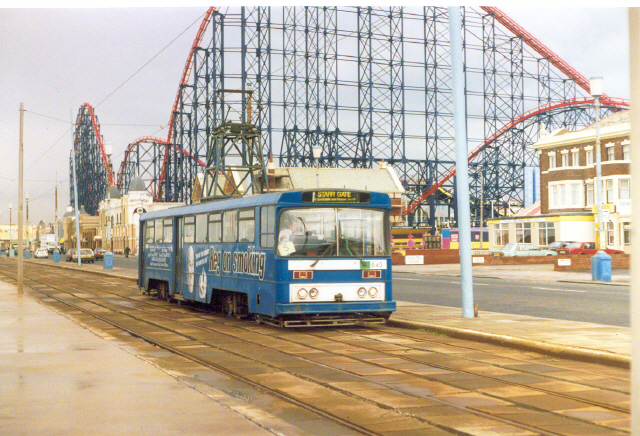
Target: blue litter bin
x,y
56,256
601,267
27,254
108,260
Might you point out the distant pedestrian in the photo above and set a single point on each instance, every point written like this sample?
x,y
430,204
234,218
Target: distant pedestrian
x,y
127,250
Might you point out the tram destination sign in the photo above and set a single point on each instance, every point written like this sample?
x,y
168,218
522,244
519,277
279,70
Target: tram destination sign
x,y
336,197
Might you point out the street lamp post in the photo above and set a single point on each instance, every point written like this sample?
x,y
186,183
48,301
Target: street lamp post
x,y
596,92
28,242
10,225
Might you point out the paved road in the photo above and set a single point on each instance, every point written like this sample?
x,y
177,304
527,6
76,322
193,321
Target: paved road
x,y
588,302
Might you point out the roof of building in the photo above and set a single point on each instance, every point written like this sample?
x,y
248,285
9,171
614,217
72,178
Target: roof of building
x,y
534,209
114,192
614,125
137,185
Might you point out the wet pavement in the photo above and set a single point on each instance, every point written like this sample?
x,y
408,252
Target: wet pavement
x,y
45,357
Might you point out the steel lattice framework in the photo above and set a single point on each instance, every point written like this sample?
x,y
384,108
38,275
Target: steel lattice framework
x,y
374,83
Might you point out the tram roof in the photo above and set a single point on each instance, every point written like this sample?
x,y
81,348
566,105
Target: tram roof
x,y
286,198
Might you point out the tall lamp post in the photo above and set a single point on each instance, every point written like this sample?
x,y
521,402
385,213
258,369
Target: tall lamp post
x,y
10,224
596,93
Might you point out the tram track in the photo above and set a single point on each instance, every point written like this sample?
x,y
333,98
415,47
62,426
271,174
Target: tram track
x,y
304,355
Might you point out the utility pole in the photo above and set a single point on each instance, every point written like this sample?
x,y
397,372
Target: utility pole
x,y
20,199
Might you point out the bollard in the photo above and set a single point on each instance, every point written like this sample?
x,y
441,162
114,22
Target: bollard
x,y
108,260
601,267
56,256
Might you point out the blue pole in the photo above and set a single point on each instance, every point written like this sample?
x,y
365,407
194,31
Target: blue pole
x,y
462,170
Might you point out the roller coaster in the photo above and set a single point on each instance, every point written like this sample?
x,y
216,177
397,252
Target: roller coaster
x,y
366,84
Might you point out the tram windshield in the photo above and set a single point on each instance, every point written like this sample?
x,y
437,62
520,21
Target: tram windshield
x,y
333,232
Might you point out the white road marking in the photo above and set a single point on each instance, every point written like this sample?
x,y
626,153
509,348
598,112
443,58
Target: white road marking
x,y
561,290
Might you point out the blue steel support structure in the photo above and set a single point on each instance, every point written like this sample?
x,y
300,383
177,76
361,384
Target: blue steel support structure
x,y
371,83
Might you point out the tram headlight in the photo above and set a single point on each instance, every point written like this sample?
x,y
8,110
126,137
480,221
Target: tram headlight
x,y
313,293
362,292
302,294
373,292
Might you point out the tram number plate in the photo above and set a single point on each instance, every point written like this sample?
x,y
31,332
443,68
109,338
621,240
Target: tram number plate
x,y
372,264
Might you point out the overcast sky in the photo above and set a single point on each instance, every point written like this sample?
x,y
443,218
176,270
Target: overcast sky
x,y
54,60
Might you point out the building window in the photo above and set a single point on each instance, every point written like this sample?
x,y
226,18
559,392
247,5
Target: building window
x,y
546,233
626,152
501,234
590,201
610,197
575,159
589,156
626,231
611,154
611,233
623,189
523,233
555,201
565,160
576,190
552,161
562,196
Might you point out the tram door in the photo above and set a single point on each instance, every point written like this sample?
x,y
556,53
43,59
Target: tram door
x,y
179,256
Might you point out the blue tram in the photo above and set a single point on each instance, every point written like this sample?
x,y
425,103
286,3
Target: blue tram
x,y
296,258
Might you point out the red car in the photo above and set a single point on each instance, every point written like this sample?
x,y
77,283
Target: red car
x,y
585,248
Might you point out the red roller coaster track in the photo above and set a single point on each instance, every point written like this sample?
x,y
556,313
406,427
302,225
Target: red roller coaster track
x,y
611,102
96,129
186,73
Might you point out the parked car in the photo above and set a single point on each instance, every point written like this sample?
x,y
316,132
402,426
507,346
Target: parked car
x,y
522,249
99,254
86,253
41,252
555,246
585,248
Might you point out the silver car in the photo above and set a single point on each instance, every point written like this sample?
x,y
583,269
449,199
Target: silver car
x,y
522,249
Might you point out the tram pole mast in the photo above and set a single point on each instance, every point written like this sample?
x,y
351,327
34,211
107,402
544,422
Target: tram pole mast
x,y
20,199
462,179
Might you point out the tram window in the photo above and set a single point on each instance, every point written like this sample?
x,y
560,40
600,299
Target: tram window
x,y
201,228
189,229
159,233
168,231
247,225
148,232
267,226
230,226
215,227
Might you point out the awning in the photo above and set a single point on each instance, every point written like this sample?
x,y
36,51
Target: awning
x,y
97,238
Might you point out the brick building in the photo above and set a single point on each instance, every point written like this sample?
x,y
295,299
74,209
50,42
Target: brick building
x,y
568,175
567,194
